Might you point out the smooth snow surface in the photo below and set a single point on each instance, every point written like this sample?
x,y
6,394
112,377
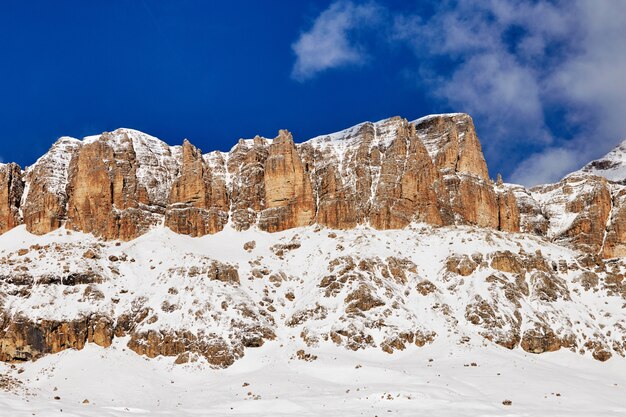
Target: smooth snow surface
x,y
433,381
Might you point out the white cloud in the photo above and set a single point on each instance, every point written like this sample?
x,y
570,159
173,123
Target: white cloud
x,y
594,77
330,42
514,62
548,166
497,80
515,65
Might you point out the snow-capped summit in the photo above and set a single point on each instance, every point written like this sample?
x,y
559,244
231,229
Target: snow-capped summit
x,y
611,166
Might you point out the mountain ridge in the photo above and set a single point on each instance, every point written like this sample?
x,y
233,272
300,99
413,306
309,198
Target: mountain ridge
x,y
432,170
386,236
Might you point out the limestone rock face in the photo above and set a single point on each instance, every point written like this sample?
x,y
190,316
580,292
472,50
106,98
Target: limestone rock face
x,y
247,191
407,185
346,171
11,189
578,209
289,199
508,211
198,202
531,216
217,351
615,240
119,184
23,339
454,147
453,144
45,203
385,174
473,201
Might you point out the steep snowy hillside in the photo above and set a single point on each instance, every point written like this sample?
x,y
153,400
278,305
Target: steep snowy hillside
x,y
295,301
220,294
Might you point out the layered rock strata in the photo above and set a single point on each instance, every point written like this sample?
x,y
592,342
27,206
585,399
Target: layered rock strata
x,y
386,175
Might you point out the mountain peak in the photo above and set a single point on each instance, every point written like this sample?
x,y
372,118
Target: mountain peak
x,y
611,166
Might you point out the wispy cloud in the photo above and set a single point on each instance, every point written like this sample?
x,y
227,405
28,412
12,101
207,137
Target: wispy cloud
x,y
591,84
331,41
499,59
515,65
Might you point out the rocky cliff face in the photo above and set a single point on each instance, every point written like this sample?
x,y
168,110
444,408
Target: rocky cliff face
x,y
45,201
288,192
198,202
11,189
468,258
119,184
386,174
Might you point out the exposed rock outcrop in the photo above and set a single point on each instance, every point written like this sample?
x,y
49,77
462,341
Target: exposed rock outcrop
x,y
11,189
289,199
247,192
509,218
453,144
386,175
110,194
45,203
22,339
198,202
408,184
578,210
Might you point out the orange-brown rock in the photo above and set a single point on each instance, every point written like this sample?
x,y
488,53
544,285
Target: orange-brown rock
x,y
540,339
23,339
160,343
587,201
336,203
461,265
453,144
500,326
473,201
532,219
344,175
247,194
385,174
508,211
218,352
408,184
11,189
198,202
589,226
288,192
44,208
615,240
507,261
106,196
454,147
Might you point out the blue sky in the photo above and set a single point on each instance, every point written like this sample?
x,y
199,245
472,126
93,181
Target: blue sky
x,y
544,80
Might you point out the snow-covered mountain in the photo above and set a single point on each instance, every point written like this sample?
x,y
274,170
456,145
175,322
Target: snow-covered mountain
x,y
384,242
611,166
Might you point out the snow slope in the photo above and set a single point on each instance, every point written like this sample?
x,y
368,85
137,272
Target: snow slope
x,y
330,354
436,381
